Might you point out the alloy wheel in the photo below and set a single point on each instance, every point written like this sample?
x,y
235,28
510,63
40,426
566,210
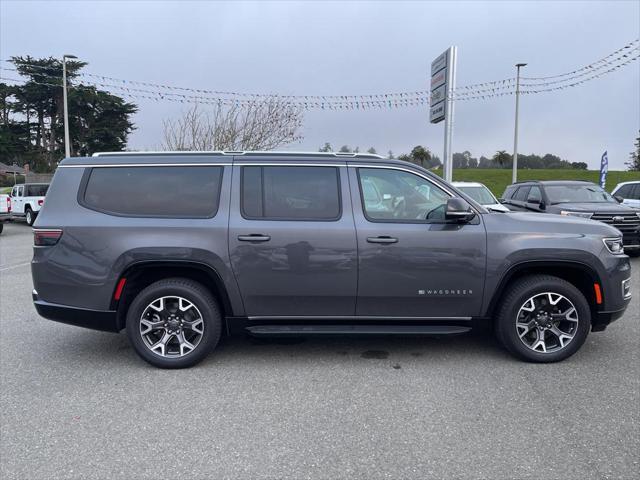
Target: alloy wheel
x,y
547,322
171,326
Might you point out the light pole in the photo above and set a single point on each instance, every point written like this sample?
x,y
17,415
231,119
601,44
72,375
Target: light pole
x,y
67,144
515,135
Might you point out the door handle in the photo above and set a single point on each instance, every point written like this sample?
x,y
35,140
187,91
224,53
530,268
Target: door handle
x,y
382,239
254,237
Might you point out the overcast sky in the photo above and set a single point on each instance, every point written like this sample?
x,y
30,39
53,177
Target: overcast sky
x,y
360,48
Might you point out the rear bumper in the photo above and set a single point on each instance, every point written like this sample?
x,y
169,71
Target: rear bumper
x,y
104,320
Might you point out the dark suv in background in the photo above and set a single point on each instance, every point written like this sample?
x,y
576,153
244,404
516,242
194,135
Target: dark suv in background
x,y
179,248
576,199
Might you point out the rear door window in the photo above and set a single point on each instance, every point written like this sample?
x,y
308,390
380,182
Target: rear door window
x,y
177,192
398,196
290,193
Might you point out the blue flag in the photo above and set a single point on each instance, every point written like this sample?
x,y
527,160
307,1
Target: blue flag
x,y
604,168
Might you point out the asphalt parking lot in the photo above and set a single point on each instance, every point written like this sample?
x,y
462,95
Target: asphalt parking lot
x,y
76,403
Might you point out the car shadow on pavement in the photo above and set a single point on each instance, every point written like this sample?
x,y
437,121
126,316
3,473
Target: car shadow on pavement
x,y
86,345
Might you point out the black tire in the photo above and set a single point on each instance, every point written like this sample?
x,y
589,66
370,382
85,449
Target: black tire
x,y
193,292
1,226
29,215
516,297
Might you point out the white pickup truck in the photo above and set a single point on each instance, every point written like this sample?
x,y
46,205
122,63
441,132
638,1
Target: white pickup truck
x,y
5,209
27,200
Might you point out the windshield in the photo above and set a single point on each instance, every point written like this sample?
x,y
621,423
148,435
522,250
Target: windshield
x,y
482,195
577,194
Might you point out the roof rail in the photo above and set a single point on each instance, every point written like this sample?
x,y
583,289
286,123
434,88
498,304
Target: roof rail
x,y
240,153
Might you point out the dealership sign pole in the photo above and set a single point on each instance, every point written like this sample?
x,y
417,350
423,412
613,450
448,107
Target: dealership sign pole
x,y
443,83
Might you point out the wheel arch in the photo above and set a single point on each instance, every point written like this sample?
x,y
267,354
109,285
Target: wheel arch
x,y
141,274
581,275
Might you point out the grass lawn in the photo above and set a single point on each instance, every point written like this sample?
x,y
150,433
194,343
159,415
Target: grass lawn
x,y
498,179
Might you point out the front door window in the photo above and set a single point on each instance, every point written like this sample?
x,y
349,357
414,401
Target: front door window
x,y
398,196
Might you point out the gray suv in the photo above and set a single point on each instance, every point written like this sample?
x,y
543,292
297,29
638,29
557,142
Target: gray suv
x,y
181,248
576,198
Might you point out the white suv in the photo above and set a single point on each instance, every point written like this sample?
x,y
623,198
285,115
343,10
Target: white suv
x,y
630,192
481,194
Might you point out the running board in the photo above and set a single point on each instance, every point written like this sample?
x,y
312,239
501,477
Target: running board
x,y
357,330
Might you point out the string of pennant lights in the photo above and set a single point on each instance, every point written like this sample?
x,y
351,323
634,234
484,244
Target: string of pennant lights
x,y
158,92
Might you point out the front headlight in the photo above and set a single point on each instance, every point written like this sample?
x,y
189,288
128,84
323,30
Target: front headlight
x,y
614,245
576,214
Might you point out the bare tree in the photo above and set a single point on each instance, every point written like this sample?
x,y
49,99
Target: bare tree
x,y
260,125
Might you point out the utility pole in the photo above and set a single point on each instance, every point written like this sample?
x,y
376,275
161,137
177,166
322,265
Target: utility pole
x,y
67,144
515,135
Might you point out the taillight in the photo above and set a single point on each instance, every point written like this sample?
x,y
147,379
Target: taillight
x,y
9,204
40,202
46,237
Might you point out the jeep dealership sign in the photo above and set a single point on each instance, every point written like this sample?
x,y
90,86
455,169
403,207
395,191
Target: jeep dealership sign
x,y
439,83
443,82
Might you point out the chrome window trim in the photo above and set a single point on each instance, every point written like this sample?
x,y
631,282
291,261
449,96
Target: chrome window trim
x,y
241,153
286,163
120,165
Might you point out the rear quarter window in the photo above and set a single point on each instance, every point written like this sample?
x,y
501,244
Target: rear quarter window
x,y
36,190
174,192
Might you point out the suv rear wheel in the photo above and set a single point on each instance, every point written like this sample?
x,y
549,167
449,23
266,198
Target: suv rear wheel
x,y
543,319
174,323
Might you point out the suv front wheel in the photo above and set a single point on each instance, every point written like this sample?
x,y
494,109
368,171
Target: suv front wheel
x,y
174,323
543,319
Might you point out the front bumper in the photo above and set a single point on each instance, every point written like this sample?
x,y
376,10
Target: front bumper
x,y
105,320
603,319
631,240
616,296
